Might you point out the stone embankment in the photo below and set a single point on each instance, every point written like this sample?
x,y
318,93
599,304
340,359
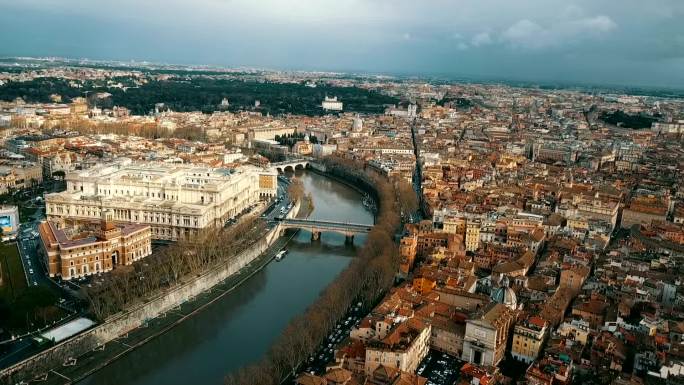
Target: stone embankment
x,y
138,315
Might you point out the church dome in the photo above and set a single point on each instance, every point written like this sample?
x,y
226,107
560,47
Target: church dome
x,y
505,295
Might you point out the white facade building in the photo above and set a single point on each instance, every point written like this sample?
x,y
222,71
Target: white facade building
x,y
486,335
331,104
177,201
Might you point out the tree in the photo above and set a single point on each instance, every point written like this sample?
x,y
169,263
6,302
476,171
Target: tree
x,y
296,190
170,265
366,278
406,197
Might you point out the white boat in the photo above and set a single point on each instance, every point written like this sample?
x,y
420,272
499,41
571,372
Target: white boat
x,y
280,255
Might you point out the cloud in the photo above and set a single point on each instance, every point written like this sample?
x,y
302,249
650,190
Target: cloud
x,y
637,40
524,34
527,34
480,39
598,24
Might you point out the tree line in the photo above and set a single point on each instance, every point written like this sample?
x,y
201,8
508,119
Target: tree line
x,y
290,140
170,266
205,94
365,280
623,119
145,130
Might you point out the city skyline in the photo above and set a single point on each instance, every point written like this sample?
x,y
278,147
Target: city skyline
x,y
445,192
552,41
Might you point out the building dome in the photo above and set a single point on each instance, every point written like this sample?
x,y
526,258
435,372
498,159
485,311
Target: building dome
x,y
505,295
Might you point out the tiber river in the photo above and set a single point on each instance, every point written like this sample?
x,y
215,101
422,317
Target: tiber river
x,y
239,328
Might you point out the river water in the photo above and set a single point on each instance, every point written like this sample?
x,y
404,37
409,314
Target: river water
x,y
240,327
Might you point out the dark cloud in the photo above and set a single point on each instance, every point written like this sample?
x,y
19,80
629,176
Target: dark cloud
x,y
625,42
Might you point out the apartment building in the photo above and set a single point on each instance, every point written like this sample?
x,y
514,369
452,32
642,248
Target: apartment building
x,y
528,338
403,348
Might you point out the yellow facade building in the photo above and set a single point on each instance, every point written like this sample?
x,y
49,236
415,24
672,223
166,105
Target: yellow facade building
x,y
472,236
528,339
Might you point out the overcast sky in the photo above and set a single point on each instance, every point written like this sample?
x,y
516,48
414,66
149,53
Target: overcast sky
x,y
630,42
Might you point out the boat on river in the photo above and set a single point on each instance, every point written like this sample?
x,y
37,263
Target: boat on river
x,y
281,254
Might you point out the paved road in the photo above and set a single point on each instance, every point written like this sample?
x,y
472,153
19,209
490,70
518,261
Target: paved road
x,y
325,354
280,207
36,275
27,243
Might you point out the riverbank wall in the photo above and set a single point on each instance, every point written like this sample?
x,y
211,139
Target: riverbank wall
x,y
138,315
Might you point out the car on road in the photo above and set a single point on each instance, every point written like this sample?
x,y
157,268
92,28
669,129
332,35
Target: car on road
x,y
30,271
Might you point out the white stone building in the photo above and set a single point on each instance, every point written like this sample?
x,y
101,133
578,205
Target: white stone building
x,y
331,104
403,347
176,201
486,335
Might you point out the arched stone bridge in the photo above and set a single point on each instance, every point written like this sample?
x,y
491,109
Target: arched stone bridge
x,y
290,165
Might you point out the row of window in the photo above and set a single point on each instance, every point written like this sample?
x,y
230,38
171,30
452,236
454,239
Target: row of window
x,y
88,250
155,218
84,270
97,258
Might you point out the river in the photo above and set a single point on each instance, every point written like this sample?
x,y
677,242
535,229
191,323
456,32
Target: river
x,y
240,327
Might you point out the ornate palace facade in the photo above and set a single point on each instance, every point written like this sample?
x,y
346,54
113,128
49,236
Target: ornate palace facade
x,y
176,201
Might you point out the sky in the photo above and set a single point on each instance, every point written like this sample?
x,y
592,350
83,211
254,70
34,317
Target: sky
x,y
620,42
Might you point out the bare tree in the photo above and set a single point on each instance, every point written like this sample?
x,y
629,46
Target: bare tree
x,y
296,189
368,276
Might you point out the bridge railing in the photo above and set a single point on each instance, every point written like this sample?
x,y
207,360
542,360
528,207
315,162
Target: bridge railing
x,y
332,223
326,225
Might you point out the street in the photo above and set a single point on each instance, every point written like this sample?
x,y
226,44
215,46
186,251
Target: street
x,y
282,203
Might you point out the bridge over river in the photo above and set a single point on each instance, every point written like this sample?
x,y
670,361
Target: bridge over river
x,y
318,226
291,165
238,329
